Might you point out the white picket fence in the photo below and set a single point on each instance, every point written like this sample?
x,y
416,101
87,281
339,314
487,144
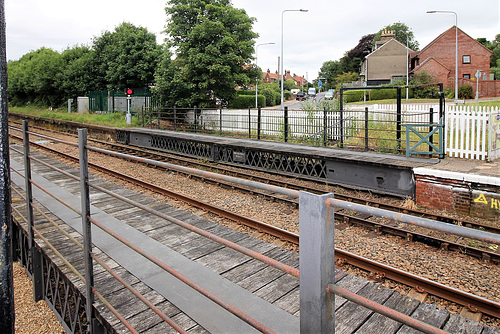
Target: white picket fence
x,y
466,128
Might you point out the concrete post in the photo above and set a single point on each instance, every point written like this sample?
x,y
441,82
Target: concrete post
x,y
317,263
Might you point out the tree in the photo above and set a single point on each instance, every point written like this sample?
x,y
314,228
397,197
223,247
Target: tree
x,y
213,44
32,78
330,70
74,79
127,57
401,32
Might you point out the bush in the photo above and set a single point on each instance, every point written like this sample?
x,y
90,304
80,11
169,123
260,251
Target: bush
x,y
354,96
269,95
383,94
277,98
245,92
287,95
242,102
465,91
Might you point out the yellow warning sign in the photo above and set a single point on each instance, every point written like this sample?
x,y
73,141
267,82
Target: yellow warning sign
x,y
481,199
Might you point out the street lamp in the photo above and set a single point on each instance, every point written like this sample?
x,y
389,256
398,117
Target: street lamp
x,y
456,46
257,67
281,69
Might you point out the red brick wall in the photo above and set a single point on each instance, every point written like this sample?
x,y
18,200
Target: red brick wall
x,y
464,197
487,88
443,49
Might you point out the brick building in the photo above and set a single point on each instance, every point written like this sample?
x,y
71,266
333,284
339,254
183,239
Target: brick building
x,y
438,59
275,77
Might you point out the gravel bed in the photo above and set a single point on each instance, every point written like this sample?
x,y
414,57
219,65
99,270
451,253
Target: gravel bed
x,y
453,269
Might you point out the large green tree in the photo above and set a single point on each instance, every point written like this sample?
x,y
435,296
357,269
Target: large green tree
x,y
213,44
126,57
33,78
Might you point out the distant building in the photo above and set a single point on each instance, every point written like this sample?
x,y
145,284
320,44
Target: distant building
x,y
275,77
438,59
387,62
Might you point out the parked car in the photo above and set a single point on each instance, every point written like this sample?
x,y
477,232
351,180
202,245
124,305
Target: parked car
x,y
301,96
311,91
329,95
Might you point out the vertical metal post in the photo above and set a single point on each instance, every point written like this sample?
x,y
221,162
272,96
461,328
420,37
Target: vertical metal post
x,y
195,120
431,121
220,121
398,119
158,117
7,315
442,117
325,127
366,130
249,124
36,256
175,118
86,225
317,263
259,115
286,123
341,122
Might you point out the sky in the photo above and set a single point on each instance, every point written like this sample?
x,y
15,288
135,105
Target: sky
x,y
325,32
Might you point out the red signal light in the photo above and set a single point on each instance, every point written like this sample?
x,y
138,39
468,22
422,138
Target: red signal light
x,y
129,91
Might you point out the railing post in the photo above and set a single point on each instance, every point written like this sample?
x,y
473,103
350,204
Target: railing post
x,y
175,118
195,120
431,121
36,256
249,123
259,115
341,122
317,263
367,147
398,119
325,127
220,121
86,226
158,117
286,123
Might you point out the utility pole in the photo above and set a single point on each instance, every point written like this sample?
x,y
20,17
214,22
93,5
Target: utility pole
x,y
7,315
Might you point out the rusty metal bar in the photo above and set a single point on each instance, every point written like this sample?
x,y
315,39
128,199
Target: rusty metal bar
x,y
258,185
418,221
246,318
384,310
115,312
265,259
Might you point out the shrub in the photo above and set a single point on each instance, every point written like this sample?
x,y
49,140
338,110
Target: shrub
x,y
287,95
383,94
269,95
245,92
242,102
354,96
277,98
465,91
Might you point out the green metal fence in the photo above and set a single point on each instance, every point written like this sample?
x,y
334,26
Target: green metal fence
x,y
116,100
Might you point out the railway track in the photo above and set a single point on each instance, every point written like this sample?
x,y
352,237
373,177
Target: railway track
x,y
341,216
377,269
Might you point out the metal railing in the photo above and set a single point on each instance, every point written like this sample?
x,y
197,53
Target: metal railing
x,y
362,130
317,270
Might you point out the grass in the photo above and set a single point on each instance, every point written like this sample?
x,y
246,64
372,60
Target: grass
x,y
115,119
492,103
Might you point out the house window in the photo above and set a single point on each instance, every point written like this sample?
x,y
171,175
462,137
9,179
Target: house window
x,y
466,59
466,76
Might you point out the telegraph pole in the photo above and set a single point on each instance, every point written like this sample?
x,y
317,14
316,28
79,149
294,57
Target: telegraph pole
x,y
7,315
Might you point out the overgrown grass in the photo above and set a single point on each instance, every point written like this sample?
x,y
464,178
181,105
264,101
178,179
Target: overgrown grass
x,y
115,119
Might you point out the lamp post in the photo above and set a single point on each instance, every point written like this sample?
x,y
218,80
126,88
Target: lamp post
x,y
281,69
456,46
257,67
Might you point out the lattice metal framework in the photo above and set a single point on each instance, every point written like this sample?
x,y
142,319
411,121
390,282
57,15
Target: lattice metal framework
x,y
191,148
280,162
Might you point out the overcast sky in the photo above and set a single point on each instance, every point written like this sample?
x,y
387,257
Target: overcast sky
x,y
325,32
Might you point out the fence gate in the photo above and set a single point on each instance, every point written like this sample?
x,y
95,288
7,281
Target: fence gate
x,y
494,137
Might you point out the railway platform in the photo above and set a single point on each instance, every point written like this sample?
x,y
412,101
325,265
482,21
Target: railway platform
x,y
265,294
377,172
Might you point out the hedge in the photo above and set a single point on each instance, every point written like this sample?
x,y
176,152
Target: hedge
x,y
245,101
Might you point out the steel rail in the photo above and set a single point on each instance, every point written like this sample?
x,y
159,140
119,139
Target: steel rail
x,y
228,307
384,310
291,185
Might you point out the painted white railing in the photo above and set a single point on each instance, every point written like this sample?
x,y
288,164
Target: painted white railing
x,y
466,127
